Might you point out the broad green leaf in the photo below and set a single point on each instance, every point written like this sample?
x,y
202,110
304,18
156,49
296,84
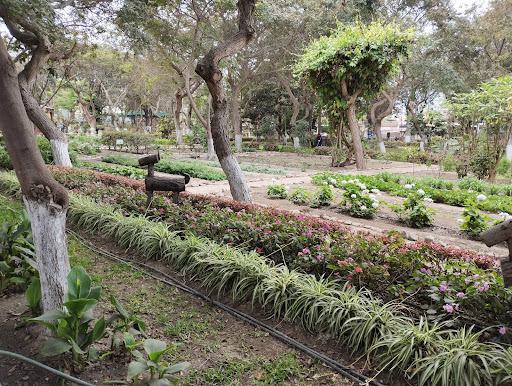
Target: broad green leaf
x,y
135,368
55,347
51,315
79,283
78,306
99,329
178,367
159,382
154,346
33,294
119,307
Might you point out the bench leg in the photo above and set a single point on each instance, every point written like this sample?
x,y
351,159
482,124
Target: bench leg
x,y
150,198
176,197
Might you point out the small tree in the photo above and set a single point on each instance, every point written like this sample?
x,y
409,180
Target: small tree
x,y
354,62
484,122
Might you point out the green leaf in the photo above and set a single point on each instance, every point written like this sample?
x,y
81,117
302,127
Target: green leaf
x,y
159,382
135,368
79,284
95,293
51,315
33,294
99,329
55,347
17,279
78,306
178,367
76,347
154,346
119,307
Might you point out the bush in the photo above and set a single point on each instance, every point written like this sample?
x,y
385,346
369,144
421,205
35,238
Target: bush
x,y
504,167
480,164
358,201
278,191
473,222
5,160
194,169
470,183
449,164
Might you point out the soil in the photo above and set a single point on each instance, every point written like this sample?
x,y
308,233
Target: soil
x,y
226,338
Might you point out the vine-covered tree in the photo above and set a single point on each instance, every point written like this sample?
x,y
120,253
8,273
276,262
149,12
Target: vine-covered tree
x,y
354,62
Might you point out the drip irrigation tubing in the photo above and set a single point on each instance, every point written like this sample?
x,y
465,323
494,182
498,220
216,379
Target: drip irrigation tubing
x,y
44,367
171,281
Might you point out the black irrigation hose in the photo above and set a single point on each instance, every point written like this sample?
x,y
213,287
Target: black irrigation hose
x,y
44,367
338,367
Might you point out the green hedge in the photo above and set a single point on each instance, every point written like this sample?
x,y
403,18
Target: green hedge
x,y
132,141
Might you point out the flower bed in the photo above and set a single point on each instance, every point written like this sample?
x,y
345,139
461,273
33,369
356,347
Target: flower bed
x,y
492,203
388,265
360,321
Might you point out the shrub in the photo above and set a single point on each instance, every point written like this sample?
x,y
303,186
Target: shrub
x,y
300,196
193,168
5,160
474,184
481,163
323,196
359,204
413,210
504,167
119,159
473,222
278,191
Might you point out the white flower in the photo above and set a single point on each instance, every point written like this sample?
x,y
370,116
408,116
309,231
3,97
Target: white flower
x,y
505,216
481,197
408,186
343,182
366,191
332,181
421,192
375,205
325,182
470,190
353,196
413,185
273,180
428,199
363,207
330,186
350,181
356,180
362,186
375,191
286,187
372,197
460,221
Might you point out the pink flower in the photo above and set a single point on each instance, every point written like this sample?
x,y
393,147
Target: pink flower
x,y
460,295
448,308
359,269
278,222
167,201
442,288
503,330
259,250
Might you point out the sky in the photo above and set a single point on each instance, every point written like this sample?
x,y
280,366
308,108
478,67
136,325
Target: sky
x,y
464,4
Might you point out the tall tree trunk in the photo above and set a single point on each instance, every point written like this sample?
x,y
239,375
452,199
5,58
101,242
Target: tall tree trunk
x,y
208,69
509,148
46,201
211,147
178,95
235,113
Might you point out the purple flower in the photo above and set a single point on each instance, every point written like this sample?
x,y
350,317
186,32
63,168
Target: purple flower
x,y
442,288
448,308
503,330
476,277
460,295
423,270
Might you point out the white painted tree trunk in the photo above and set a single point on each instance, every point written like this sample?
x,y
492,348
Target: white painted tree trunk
x,y
60,152
285,140
509,149
296,142
238,142
211,150
92,130
49,233
422,145
407,138
237,184
382,147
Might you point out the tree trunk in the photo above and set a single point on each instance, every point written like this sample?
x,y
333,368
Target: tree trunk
x,y
208,69
235,116
46,201
407,135
356,137
509,148
177,115
378,134
211,148
57,138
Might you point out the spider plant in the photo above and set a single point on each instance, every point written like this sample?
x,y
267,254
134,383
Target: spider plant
x,y
460,360
408,344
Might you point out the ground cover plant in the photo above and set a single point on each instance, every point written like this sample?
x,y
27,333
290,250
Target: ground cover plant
x,y
388,265
125,171
459,197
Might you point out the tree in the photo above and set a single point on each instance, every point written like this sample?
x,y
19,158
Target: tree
x,y
484,123
354,62
33,26
208,69
46,201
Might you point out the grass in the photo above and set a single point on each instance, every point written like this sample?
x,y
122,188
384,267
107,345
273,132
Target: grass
x,y
9,209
